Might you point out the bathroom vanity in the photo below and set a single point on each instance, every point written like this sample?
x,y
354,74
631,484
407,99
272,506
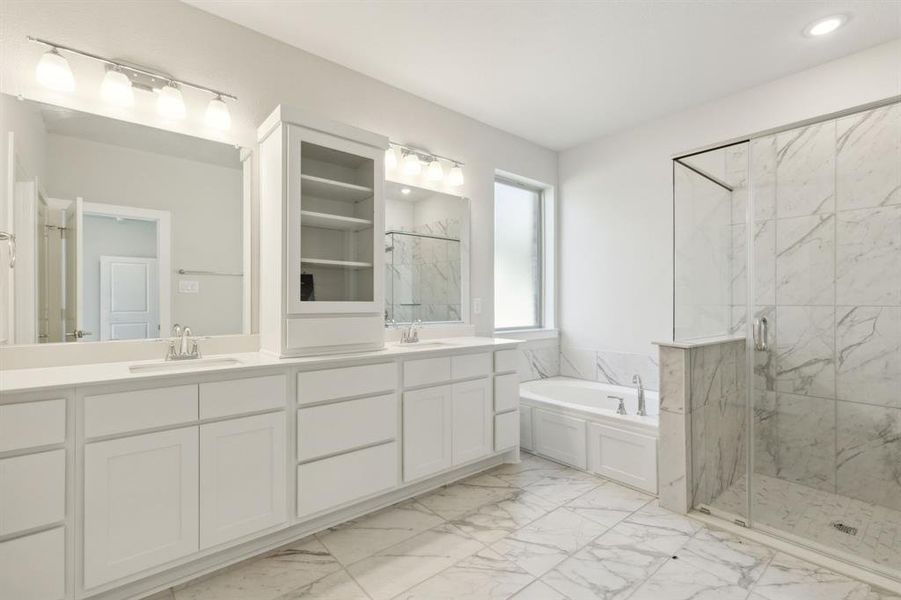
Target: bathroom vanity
x,y
117,481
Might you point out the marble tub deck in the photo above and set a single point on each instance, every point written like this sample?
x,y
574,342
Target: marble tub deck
x,y
532,531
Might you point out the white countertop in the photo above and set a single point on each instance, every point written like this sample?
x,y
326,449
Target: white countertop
x,y
22,380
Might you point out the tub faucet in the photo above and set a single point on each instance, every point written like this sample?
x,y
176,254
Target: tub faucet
x,y
621,409
642,409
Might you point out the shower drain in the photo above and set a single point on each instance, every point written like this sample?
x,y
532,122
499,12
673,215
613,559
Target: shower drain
x,y
844,528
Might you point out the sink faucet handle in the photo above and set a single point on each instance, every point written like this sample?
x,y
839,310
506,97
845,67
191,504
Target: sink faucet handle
x,y
176,330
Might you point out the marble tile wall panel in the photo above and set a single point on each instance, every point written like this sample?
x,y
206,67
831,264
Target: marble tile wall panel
x,y
538,359
609,366
868,158
804,348
762,170
673,453
868,256
868,354
869,453
805,170
805,260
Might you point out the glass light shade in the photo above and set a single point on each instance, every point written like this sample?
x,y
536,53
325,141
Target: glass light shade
x,y
391,159
412,166
116,89
217,115
434,172
53,72
455,177
170,104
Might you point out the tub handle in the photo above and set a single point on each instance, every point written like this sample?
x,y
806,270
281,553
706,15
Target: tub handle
x,y
621,409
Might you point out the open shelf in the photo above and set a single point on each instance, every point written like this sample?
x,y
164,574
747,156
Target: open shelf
x,y
333,189
330,221
336,264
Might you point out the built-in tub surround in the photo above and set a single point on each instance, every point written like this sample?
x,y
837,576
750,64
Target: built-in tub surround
x,y
608,366
578,422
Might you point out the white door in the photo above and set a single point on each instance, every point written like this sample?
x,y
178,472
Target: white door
x,y
129,298
473,420
428,417
242,477
74,275
140,503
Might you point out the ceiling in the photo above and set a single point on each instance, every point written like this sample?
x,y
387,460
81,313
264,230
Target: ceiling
x,y
562,73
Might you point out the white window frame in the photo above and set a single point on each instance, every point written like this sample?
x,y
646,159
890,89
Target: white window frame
x,y
548,248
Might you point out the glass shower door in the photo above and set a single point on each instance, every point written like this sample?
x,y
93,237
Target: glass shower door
x,y
825,358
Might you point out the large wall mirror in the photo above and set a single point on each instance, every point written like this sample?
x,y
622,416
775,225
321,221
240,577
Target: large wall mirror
x,y
426,255
121,230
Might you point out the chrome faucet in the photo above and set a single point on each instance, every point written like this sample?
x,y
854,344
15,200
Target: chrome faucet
x,y
187,344
642,409
621,409
410,335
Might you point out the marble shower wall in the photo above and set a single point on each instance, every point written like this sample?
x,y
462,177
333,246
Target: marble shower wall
x,y
828,277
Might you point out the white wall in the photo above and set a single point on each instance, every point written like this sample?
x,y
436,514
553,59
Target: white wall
x,y
206,204
263,73
616,214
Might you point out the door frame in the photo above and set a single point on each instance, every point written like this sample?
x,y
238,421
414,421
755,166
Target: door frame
x,y
163,220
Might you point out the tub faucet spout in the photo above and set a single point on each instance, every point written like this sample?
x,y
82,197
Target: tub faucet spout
x,y
642,409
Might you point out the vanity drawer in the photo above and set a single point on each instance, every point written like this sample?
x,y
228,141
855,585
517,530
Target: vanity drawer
x,y
34,567
32,424
331,428
471,365
120,412
426,371
504,360
331,482
506,392
331,384
239,396
32,491
506,427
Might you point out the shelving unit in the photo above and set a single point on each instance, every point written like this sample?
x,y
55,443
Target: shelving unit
x,y
336,222
336,264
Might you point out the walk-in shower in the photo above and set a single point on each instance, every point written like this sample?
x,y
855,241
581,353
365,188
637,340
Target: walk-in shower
x,y
788,255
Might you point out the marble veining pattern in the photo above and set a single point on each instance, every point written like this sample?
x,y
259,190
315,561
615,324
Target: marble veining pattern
x,y
609,366
608,542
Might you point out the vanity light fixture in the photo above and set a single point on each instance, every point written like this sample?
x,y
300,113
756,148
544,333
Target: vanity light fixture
x,y
116,88
169,102
122,78
53,72
824,26
412,166
455,177
434,171
391,158
217,115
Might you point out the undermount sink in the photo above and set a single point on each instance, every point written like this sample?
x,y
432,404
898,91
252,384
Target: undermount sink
x,y
182,365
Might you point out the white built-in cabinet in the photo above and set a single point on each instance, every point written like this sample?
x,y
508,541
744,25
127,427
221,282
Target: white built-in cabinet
x,y
472,420
322,254
428,427
140,503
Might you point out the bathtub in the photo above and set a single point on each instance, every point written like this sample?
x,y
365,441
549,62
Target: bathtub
x,y
574,421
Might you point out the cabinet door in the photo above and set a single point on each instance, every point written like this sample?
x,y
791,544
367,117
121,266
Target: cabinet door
x,y
472,423
33,567
140,503
559,437
428,417
242,477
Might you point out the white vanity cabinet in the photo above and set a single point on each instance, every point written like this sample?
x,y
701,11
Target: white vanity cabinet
x,y
322,219
140,503
428,427
472,420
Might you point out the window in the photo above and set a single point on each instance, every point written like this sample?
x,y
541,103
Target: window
x,y
518,256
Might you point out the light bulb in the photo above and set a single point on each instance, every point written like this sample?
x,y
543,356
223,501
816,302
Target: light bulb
x,y
405,191
170,104
412,166
116,89
455,177
434,172
824,26
53,72
391,159
217,115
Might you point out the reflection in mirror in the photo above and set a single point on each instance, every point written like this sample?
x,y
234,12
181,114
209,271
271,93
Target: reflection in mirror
x,y
122,230
425,249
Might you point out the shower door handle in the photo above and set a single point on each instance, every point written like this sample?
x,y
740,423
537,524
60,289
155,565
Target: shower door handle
x,y
760,331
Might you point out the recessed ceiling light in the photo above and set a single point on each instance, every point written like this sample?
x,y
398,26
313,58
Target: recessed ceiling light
x,y
405,191
824,26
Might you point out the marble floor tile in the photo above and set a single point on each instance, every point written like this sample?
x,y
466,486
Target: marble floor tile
x,y
455,501
790,578
540,546
609,503
483,576
678,580
293,568
730,558
492,522
337,586
538,590
400,567
357,539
